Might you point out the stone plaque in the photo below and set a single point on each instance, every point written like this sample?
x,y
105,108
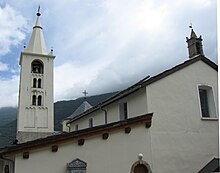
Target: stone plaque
x,y
76,166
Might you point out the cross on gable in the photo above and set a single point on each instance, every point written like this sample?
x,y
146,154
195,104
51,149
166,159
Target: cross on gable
x,y
85,93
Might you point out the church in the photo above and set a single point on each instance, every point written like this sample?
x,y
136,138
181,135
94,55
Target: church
x,y
166,123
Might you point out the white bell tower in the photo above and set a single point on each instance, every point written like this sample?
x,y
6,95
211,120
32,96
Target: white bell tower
x,y
35,107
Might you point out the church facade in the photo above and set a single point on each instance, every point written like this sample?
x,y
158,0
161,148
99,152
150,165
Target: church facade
x,y
167,123
184,132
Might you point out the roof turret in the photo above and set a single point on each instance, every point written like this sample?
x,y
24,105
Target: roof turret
x,y
82,108
194,44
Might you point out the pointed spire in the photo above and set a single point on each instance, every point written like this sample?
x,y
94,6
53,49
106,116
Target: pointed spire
x,y
37,43
193,34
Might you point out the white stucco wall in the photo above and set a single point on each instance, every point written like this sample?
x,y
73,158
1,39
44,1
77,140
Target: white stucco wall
x,y
98,117
181,140
84,122
116,154
136,103
36,118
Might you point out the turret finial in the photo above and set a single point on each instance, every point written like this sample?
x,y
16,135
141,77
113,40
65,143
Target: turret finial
x,y
191,26
38,11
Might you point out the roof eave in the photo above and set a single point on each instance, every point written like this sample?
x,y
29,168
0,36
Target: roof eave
x,y
85,133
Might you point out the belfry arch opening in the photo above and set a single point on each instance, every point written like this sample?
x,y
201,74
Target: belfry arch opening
x,y
37,66
34,99
39,100
34,83
39,83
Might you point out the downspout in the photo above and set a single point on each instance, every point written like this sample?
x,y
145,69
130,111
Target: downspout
x,y
104,110
9,160
68,125
151,148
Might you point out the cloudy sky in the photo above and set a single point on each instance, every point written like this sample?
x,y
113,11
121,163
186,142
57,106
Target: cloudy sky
x,y
103,45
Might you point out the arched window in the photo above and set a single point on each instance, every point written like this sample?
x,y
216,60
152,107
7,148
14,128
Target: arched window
x,y
39,83
34,98
37,67
34,83
39,100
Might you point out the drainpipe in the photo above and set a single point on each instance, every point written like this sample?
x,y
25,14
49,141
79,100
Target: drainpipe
x,y
68,125
9,160
105,114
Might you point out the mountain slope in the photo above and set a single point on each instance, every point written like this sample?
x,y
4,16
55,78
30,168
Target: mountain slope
x,y
8,133
7,114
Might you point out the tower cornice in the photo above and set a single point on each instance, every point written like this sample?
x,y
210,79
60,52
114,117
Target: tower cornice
x,y
35,54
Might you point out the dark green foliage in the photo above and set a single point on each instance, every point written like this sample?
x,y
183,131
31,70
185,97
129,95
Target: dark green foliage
x,y
7,114
8,133
62,109
7,125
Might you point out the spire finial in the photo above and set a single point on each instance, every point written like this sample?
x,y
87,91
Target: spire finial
x,y
193,34
191,26
38,11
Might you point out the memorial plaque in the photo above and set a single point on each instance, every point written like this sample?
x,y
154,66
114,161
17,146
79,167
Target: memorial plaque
x,y
76,166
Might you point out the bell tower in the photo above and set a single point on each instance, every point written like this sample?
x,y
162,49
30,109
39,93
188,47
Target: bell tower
x,y
35,105
194,44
